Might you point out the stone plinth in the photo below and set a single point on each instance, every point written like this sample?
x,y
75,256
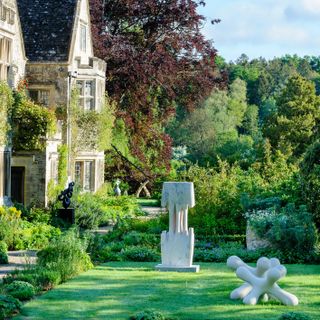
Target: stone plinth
x,y
177,244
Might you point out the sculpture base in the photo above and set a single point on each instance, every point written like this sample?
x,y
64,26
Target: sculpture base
x,y
193,268
67,215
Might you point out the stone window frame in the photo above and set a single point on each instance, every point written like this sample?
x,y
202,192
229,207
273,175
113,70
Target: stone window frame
x,y
84,97
5,57
42,88
84,174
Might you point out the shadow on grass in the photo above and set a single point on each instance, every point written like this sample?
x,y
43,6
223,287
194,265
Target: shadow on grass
x,y
118,290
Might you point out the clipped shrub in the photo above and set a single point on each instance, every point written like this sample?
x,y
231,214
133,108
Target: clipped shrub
x,y
148,315
3,253
20,290
139,253
8,306
294,316
66,255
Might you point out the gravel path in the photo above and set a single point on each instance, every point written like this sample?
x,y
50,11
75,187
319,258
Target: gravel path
x,y
17,260
153,212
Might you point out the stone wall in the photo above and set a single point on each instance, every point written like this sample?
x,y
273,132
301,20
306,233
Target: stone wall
x,y
53,76
35,166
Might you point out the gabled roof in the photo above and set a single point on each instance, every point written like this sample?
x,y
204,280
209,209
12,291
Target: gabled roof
x,y
47,28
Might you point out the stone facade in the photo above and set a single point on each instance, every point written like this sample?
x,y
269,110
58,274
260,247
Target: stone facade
x,y
12,69
63,60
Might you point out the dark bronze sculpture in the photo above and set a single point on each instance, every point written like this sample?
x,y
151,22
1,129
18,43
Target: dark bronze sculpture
x,y
65,196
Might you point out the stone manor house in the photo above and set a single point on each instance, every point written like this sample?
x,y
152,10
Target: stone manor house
x,y
48,42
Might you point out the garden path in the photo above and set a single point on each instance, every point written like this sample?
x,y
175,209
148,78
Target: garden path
x,y
153,212
17,260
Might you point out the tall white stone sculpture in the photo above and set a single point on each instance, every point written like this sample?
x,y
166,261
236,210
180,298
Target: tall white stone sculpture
x,y
260,282
177,244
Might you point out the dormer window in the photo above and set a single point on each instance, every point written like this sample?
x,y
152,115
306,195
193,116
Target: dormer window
x,y
83,38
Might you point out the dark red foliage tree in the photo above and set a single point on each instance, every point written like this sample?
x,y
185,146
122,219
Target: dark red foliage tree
x,y
157,58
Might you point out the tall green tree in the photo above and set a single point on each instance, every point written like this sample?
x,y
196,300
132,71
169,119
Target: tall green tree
x,y
295,124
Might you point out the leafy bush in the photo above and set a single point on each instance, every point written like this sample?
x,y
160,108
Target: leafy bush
x,y
36,215
10,221
34,235
3,253
88,211
8,306
40,278
139,253
136,238
148,315
294,316
291,231
20,290
222,253
93,210
66,255
25,112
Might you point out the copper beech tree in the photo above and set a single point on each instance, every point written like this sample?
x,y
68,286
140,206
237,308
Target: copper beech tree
x,y
157,59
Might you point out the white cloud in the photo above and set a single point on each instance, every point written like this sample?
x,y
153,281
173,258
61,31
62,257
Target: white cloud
x,y
264,28
303,9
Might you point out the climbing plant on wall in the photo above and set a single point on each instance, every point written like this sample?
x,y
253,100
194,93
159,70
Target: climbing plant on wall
x,y
90,129
6,102
31,123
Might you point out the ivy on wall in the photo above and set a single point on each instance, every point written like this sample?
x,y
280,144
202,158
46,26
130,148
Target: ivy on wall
x,y
31,123
6,102
54,188
91,130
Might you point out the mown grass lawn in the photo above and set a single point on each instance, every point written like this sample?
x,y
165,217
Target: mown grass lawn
x,y
148,202
120,289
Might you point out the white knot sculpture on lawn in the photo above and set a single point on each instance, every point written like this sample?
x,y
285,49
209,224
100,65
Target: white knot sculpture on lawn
x,y
260,282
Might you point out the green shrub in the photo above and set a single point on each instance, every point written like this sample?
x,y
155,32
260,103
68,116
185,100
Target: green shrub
x,y
93,210
66,255
8,306
148,315
20,290
294,316
35,215
221,254
40,278
88,211
3,253
291,231
107,254
10,222
34,235
139,253
136,238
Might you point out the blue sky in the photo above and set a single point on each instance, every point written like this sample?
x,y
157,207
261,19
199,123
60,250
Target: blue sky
x,y
265,28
